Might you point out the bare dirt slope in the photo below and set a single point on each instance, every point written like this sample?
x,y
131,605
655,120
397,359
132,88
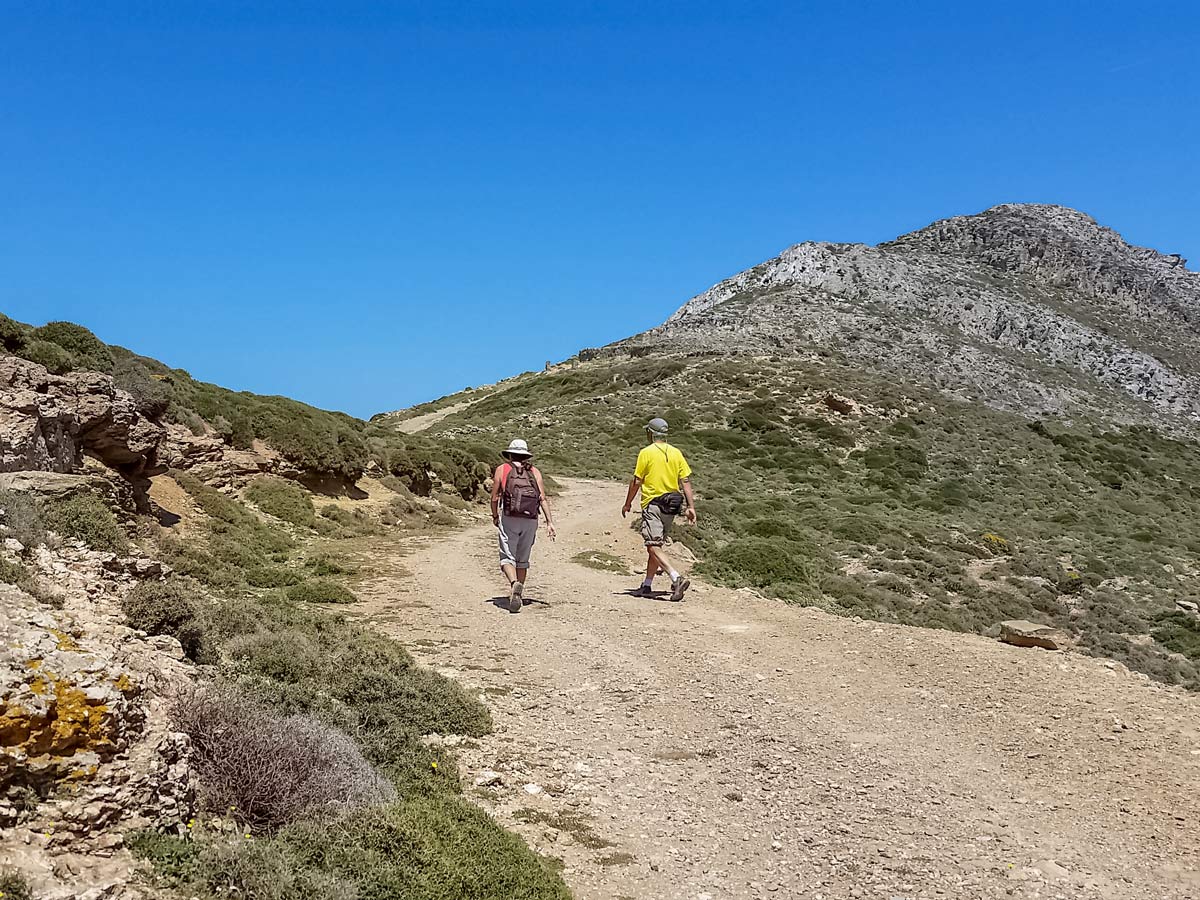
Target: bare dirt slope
x,y
734,747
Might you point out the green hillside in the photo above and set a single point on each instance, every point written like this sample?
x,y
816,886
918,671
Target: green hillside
x,y
316,440
827,485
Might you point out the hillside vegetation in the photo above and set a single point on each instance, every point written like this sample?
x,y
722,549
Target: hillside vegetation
x,y
314,440
309,732
315,777
974,423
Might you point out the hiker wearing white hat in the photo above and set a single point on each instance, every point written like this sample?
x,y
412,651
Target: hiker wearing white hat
x,y
518,499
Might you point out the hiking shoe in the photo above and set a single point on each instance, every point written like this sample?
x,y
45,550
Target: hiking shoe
x,y
678,586
515,597
643,590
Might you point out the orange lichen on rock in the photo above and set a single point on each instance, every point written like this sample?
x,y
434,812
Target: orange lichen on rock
x,y
78,723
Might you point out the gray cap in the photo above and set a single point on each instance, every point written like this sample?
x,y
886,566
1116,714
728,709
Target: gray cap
x,y
657,427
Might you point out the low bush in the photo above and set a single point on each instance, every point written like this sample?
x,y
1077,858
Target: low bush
x,y
151,394
268,770
86,350
429,848
13,886
763,562
13,334
320,590
54,358
352,521
23,518
302,661
87,518
176,607
12,572
272,577
323,565
283,499
240,549
210,865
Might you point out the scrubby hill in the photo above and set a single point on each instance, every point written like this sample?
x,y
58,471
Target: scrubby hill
x,y
175,684
991,418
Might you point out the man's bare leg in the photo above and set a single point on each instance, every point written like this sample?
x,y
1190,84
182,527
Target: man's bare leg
x,y
679,584
510,572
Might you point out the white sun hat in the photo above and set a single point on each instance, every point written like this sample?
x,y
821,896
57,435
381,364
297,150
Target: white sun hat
x,y
517,447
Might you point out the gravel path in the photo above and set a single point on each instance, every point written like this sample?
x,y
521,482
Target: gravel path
x,y
734,747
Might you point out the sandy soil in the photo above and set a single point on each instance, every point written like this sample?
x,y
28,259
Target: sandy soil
x,y
734,747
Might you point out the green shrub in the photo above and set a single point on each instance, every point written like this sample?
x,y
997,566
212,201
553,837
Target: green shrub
x,y
323,565
283,499
433,848
1179,633
241,432
12,572
23,518
320,590
13,334
13,886
53,357
176,607
352,521
151,394
87,518
764,562
240,548
272,577
87,350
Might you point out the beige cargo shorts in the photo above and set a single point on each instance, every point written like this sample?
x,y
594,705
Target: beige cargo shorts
x,y
656,525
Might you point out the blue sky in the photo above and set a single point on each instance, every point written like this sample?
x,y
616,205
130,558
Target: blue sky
x,y
367,205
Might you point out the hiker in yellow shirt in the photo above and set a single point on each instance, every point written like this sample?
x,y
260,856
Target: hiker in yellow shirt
x,y
663,476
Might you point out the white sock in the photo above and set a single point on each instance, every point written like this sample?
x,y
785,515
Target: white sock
x,y
674,575
647,582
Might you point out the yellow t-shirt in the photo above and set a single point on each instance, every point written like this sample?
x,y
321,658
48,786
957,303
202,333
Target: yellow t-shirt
x,y
661,468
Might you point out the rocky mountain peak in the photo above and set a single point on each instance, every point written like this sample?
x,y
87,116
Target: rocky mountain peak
x,y
1033,307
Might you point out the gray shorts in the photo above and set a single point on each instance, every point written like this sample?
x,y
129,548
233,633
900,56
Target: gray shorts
x,y
656,525
516,540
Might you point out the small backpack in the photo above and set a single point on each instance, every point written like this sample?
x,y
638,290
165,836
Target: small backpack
x,y
522,497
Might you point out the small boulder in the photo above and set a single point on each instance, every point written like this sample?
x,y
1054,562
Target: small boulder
x,y
489,778
843,406
1021,633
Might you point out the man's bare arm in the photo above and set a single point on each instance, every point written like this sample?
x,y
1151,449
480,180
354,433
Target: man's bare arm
x,y
496,497
686,484
634,486
545,503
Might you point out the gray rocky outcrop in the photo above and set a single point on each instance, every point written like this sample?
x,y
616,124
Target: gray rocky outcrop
x,y
87,750
1021,633
51,423
1033,308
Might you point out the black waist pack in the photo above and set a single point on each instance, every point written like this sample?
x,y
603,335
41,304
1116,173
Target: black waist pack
x,y
671,504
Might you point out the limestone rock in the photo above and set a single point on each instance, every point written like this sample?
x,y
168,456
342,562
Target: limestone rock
x,y
1028,307
51,422
1021,633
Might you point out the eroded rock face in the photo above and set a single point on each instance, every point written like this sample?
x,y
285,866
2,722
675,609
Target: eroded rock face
x,y
50,422
217,464
1032,308
87,751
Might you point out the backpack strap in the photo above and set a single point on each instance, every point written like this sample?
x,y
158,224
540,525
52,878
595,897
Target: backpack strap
x,y
504,471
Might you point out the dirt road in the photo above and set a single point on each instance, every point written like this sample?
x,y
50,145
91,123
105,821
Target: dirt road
x,y
735,747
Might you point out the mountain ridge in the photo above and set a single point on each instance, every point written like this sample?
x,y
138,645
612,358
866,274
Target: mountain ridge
x,y
969,303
